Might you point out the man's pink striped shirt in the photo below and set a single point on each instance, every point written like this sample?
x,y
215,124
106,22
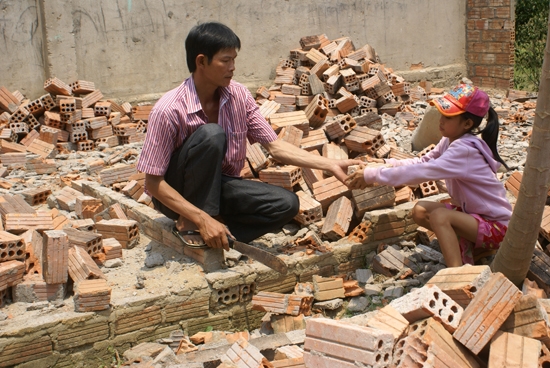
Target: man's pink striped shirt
x,y
179,113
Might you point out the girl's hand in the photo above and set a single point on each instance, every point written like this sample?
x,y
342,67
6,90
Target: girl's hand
x,y
356,180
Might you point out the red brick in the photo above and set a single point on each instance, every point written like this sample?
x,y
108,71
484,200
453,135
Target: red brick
x,y
336,344
390,320
486,13
487,312
244,354
55,257
11,273
82,266
509,350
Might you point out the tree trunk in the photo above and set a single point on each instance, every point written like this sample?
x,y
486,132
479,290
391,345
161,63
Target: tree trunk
x,y
516,251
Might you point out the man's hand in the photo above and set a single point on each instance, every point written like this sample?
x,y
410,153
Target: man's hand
x,y
213,232
340,168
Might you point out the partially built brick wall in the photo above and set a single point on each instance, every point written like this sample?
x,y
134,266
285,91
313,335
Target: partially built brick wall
x,y
490,39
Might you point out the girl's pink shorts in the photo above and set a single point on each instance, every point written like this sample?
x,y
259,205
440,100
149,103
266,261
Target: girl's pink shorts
x,y
489,236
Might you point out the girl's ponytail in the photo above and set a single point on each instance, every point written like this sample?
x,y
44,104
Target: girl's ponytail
x,y
490,135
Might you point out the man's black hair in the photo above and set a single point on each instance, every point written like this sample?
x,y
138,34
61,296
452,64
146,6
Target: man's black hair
x,y
208,39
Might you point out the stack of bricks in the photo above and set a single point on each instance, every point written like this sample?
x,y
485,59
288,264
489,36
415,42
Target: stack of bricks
x,y
40,250
490,38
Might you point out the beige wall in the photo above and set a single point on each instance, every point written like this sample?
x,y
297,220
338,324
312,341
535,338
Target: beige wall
x,y
133,49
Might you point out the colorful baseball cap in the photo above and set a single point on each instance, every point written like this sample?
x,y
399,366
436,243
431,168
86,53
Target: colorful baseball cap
x,y
463,98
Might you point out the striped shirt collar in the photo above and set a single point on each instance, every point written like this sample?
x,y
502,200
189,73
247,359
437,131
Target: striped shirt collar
x,y
194,104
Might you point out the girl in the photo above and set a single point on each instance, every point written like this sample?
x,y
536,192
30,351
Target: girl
x,y
479,213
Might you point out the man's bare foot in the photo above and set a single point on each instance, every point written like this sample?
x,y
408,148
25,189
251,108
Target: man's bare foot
x,y
184,226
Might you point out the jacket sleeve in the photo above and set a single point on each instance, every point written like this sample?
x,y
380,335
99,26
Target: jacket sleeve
x,y
450,164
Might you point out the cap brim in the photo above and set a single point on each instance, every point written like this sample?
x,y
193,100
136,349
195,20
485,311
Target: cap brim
x,y
446,107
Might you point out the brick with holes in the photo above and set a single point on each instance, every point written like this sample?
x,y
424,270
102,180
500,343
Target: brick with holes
x,y
36,196
256,156
310,210
336,344
428,344
87,207
317,111
91,242
327,288
12,247
364,140
298,119
429,301
125,231
339,126
372,197
282,176
461,283
245,355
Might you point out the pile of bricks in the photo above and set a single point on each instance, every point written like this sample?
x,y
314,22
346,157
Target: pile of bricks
x,y
42,251
328,98
69,117
462,317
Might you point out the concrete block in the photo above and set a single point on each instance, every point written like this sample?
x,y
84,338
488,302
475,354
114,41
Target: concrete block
x,y
336,344
490,307
429,301
34,289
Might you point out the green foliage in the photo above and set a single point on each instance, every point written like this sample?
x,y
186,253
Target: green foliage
x,y
531,30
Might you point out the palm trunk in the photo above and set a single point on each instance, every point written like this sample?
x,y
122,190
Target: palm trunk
x,y
514,257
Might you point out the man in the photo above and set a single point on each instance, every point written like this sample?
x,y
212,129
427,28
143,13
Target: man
x,y
196,147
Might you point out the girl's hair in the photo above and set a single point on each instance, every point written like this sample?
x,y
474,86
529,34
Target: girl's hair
x,y
489,134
